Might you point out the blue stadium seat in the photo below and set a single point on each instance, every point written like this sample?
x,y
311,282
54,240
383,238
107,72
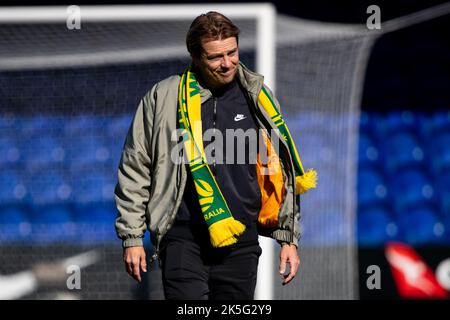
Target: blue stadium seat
x,y
371,187
28,125
52,223
9,151
14,224
400,150
116,147
442,187
331,233
114,141
375,124
87,150
41,151
78,126
98,212
439,151
446,222
410,188
93,185
8,122
48,186
57,125
41,125
375,227
12,188
51,214
436,122
95,222
385,125
421,226
365,121
12,215
368,152
118,126
402,120
441,120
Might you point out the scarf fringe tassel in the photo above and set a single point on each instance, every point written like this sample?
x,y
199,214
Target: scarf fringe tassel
x,y
223,232
305,182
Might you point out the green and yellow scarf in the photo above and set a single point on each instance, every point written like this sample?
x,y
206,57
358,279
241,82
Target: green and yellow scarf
x,y
223,228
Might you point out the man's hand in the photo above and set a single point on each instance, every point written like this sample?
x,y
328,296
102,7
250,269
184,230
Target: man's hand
x,y
288,254
134,258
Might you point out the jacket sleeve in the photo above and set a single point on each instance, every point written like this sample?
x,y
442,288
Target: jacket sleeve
x,y
134,175
296,221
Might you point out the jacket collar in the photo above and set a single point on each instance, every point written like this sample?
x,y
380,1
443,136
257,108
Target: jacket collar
x,y
250,80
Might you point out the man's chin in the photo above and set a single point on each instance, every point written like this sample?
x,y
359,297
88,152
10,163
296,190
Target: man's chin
x,y
225,79
221,80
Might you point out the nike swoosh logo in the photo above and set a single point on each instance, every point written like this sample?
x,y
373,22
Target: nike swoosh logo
x,y
239,117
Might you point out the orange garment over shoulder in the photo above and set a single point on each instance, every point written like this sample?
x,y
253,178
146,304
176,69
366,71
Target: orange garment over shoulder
x,y
271,183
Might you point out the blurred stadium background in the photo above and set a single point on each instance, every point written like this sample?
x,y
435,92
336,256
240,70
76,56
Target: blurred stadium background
x,y
369,109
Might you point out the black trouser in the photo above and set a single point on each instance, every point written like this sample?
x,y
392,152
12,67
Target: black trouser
x,y
201,272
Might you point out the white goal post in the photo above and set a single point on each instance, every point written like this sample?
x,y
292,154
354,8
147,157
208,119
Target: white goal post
x,y
265,16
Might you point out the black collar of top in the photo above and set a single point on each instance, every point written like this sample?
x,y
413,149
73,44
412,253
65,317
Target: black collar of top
x,y
219,92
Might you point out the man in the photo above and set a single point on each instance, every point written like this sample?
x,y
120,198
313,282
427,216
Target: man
x,y
205,214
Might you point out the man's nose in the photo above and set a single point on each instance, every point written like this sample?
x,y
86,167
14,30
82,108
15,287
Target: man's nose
x,y
226,62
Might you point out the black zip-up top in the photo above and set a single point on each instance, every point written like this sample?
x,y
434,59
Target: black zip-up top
x,y
234,170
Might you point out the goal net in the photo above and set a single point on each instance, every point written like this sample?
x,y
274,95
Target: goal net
x,y
67,98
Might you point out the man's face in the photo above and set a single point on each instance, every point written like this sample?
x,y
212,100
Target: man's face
x,y
218,61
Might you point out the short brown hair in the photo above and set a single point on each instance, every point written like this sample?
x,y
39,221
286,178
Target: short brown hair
x,y
212,25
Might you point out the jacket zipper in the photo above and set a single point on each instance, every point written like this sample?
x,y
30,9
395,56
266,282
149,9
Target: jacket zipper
x,y
155,255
